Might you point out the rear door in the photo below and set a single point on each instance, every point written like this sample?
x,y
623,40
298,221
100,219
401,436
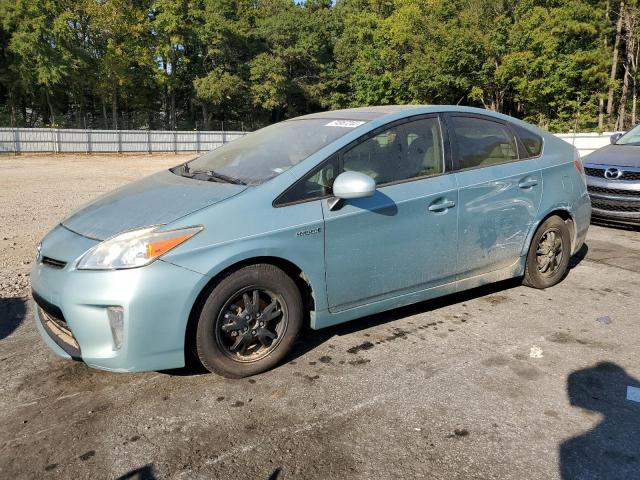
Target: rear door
x,y
499,192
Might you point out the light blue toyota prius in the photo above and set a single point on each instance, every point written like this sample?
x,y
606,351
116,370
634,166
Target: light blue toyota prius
x,y
316,220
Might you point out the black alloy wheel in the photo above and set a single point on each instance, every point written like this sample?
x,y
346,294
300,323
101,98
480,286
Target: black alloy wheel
x,y
549,254
250,320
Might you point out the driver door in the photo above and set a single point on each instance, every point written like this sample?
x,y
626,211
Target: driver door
x,y
404,238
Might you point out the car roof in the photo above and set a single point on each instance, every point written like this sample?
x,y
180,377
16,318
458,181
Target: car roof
x,y
360,113
395,112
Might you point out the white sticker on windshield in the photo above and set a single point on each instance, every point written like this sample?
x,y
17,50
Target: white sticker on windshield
x,y
345,123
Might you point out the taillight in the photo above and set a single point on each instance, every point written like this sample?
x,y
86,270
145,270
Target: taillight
x,y
578,164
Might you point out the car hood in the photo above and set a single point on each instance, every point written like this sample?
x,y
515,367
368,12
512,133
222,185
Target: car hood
x,y
155,200
619,155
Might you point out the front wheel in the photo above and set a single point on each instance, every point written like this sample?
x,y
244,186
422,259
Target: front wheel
x,y
249,322
549,254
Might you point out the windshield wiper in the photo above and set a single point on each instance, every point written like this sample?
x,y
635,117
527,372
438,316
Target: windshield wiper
x,y
215,176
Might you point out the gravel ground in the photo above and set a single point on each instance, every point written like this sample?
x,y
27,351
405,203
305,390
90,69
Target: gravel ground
x,y
499,382
36,192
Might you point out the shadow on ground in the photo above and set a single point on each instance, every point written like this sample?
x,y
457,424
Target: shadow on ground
x,y
311,339
579,256
12,313
144,473
610,449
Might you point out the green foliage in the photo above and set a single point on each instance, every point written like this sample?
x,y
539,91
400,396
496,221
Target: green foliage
x,y
192,63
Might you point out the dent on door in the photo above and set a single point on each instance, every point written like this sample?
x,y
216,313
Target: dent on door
x,y
496,216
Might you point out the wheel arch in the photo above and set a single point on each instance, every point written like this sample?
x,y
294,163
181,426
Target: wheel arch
x,y
303,283
565,214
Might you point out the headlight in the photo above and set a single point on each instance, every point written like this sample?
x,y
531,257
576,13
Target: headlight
x,y
135,248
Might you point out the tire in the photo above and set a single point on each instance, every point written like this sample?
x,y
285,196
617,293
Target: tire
x,y
240,333
544,268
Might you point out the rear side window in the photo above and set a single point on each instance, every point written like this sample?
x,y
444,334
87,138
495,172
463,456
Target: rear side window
x,y
482,143
532,142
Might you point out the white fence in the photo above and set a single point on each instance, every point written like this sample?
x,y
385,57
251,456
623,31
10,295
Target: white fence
x,y
586,142
55,140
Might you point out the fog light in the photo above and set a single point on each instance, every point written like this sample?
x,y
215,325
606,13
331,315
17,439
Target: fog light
x,y
116,323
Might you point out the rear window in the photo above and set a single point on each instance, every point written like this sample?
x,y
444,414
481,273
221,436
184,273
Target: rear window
x,y
532,142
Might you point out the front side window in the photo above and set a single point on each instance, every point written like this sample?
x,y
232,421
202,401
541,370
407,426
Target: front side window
x,y
482,143
406,151
316,184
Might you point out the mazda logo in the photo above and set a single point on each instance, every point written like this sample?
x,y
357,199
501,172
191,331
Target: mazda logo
x,y
612,173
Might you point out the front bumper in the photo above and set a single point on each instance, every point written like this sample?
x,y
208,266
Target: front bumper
x,y
156,301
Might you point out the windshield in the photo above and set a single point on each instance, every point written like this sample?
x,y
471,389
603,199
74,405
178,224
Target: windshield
x,y
266,153
632,137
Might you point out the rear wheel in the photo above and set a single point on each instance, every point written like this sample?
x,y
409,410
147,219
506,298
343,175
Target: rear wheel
x,y
249,322
549,254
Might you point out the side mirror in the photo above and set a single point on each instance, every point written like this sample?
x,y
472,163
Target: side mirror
x,y
351,185
615,137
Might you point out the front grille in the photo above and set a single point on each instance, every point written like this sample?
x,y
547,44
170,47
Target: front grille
x,y
613,207
626,174
594,172
53,263
614,191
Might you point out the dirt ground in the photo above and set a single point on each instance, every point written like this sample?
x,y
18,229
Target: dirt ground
x,y
499,382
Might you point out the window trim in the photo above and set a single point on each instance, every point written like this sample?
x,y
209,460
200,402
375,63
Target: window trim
x,y
454,144
447,157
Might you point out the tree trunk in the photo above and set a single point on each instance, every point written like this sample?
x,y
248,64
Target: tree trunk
x,y
114,108
614,61
600,113
25,117
173,109
104,114
13,109
630,64
165,97
633,105
206,118
622,111
634,48
172,86
52,118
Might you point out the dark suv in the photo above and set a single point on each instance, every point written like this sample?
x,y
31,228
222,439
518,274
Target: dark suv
x,y
613,179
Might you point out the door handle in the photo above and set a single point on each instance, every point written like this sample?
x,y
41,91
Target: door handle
x,y
528,183
441,206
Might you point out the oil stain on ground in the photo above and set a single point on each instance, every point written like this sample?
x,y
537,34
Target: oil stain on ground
x,y
363,346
